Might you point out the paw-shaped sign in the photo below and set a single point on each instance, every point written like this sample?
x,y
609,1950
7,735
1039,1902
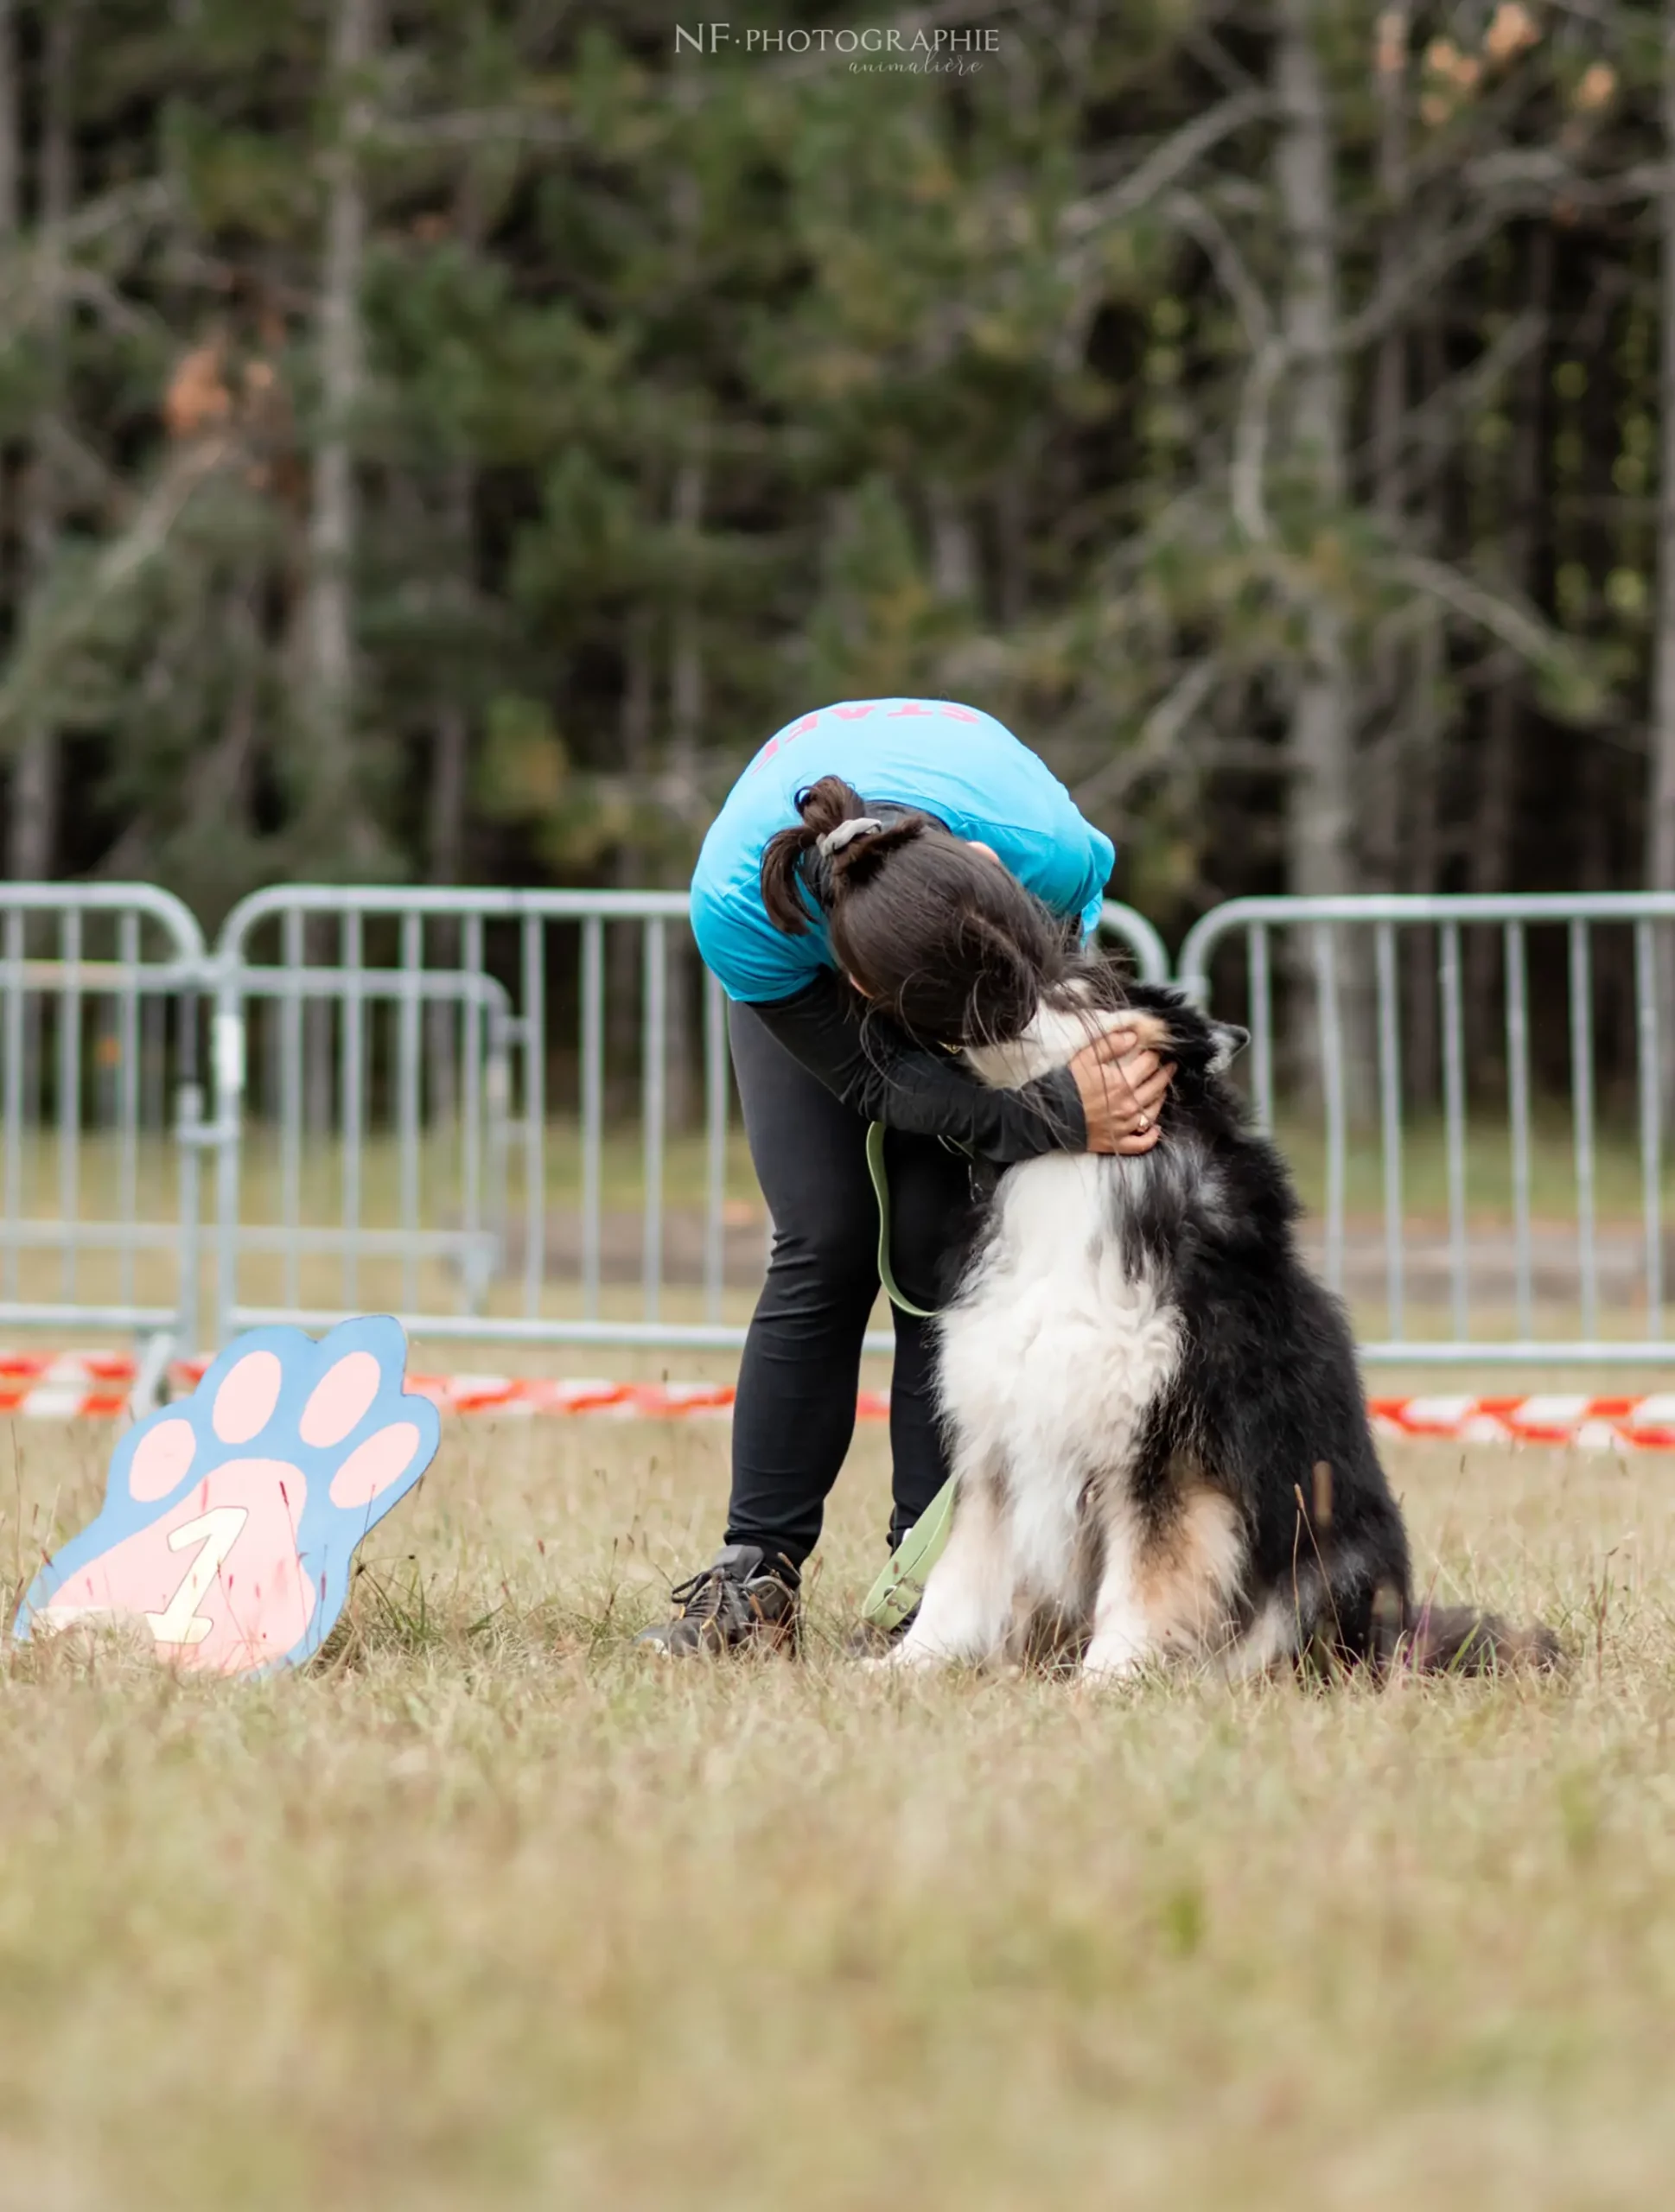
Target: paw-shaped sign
x,y
230,1519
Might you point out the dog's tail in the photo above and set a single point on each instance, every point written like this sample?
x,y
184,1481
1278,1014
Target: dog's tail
x,y
1428,1639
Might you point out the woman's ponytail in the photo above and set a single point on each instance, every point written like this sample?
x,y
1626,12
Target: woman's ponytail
x,y
836,847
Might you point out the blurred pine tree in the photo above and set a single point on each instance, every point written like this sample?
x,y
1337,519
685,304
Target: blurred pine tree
x,y
440,438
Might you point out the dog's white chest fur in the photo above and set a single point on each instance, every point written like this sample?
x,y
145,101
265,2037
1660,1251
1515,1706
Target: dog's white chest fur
x,y
1051,1357
1055,1353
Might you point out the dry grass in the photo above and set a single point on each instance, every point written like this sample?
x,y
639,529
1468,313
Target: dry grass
x,y
487,1913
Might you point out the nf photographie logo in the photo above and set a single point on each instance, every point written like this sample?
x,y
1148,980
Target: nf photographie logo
x,y
944,50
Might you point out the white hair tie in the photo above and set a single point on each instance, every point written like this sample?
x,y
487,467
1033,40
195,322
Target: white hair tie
x,y
834,841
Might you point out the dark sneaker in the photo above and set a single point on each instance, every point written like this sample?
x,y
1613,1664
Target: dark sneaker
x,y
732,1603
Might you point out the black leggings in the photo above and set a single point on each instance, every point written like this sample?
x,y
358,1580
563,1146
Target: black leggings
x,y
795,1412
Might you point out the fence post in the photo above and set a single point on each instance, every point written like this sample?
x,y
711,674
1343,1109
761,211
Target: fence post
x,y
189,1120
229,1060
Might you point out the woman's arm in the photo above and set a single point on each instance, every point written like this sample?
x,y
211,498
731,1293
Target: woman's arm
x,y
885,1078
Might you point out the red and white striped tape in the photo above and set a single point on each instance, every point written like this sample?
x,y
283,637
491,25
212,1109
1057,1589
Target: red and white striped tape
x,y
95,1385
84,1385
1595,1424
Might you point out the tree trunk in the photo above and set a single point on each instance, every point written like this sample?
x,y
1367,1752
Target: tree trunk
x,y
686,664
1320,811
1390,372
11,142
448,761
686,715
953,551
1379,785
32,839
624,966
450,735
1423,747
685,655
1490,859
1661,829
329,800
446,824
1321,856
1012,524
219,796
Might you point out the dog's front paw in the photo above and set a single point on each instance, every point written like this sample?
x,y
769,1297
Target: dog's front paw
x,y
1114,1660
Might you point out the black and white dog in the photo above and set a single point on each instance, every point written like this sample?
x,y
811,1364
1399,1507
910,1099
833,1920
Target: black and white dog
x,y
1159,1436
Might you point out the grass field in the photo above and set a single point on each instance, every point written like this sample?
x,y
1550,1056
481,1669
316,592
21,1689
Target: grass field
x,y
487,1913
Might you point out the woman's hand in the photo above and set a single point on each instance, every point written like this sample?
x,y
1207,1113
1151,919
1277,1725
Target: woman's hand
x,y
1120,1089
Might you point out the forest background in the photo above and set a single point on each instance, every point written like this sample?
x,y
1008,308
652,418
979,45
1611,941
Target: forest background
x,y
440,439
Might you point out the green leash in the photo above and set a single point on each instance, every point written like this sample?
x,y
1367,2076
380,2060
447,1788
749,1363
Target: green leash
x,y
902,1584
880,1191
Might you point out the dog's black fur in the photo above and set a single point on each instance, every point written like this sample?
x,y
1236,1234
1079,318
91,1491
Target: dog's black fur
x,y
1268,1403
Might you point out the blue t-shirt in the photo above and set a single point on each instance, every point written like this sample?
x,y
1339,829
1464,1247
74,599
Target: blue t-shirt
x,y
964,767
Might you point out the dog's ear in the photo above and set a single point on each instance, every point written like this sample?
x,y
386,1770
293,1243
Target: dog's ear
x,y
1229,1042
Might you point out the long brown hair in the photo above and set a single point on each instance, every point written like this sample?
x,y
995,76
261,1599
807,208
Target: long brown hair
x,y
931,930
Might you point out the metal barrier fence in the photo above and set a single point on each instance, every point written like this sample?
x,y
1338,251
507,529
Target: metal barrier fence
x,y
99,1034
507,1114
1504,1235
479,1008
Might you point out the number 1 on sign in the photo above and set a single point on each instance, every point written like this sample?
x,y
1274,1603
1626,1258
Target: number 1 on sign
x,y
216,1532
